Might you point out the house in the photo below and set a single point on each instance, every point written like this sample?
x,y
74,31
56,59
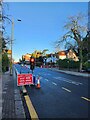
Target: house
x,y
62,55
71,54
26,57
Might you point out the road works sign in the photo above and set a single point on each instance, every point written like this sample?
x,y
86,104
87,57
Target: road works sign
x,y
24,79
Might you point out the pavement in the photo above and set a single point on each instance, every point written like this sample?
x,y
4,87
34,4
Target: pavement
x,y
72,72
12,106
0,96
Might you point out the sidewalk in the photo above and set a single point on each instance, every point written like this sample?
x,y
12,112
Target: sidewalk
x,y
71,72
0,96
12,106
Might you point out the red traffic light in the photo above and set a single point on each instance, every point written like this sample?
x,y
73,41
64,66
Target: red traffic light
x,y
32,60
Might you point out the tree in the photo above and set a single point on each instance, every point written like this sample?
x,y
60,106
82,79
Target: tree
x,y
36,54
77,31
4,40
44,52
5,62
86,48
0,36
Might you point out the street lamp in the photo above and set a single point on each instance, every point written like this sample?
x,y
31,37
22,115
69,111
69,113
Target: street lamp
x,y
12,38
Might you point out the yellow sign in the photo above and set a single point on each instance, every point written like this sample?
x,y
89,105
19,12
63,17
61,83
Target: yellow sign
x,y
9,52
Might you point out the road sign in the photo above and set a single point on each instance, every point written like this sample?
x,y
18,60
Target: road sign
x,y
24,79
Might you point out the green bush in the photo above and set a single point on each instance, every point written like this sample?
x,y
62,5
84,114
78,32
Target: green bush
x,y
86,65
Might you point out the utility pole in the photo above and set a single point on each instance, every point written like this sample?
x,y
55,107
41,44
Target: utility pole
x,y
12,38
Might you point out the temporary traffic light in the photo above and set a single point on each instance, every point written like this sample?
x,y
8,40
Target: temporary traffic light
x,y
32,63
32,60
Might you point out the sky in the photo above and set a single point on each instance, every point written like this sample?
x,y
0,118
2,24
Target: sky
x,y
41,24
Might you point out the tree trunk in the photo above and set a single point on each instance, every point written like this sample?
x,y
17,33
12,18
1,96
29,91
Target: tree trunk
x,y
81,59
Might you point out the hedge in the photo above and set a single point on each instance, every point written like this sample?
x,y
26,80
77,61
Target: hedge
x,y
68,63
86,65
5,63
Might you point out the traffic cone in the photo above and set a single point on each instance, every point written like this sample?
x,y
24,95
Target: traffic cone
x,y
38,83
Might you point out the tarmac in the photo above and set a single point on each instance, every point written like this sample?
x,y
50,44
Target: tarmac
x,y
11,105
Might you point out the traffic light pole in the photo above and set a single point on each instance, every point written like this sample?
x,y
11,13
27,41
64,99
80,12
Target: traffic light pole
x,y
32,71
32,64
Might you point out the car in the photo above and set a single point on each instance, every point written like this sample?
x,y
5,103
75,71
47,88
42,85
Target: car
x,y
88,70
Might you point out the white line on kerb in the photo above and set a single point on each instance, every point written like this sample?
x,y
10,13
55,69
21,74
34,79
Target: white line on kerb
x,y
66,89
54,83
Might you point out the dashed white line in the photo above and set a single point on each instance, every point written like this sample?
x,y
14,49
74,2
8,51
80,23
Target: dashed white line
x,y
66,89
46,79
67,80
54,83
86,99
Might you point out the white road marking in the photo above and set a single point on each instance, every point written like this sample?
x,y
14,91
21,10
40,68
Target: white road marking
x,y
67,80
43,73
46,74
66,89
86,99
46,79
54,83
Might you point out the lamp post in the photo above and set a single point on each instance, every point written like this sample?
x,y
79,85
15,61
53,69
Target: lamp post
x,y
12,38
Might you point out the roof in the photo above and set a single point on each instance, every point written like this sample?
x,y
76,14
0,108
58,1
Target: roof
x,y
64,52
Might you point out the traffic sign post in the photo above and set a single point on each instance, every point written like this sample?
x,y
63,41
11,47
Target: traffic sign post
x,y
24,79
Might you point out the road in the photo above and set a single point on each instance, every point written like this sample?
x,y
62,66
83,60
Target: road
x,y
60,96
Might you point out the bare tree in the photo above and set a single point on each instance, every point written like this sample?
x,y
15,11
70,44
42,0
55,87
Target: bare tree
x,y
3,19
77,30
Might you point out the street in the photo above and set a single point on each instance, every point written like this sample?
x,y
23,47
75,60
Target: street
x,y
60,96
44,60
